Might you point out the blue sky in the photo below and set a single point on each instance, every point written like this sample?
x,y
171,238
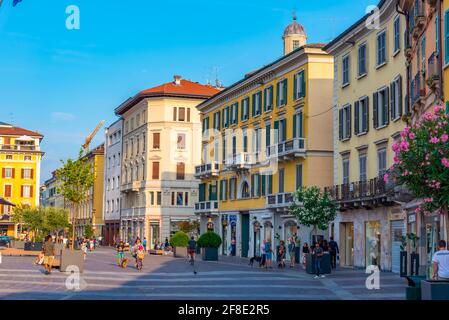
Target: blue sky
x,y
63,82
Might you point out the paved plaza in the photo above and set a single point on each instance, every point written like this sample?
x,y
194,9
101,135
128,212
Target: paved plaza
x,y
168,278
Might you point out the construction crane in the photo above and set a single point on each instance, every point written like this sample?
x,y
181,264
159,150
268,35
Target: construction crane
x,y
91,136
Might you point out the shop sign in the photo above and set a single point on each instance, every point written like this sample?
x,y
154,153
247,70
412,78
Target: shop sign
x,y
412,218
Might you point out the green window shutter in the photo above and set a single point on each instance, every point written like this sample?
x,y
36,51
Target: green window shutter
x,y
241,114
366,115
386,110
270,184
399,88
262,183
301,124
447,107
202,191
340,124
446,36
278,86
295,87
223,119
356,117
284,130
375,111
349,121
253,109
265,91
303,84
285,91
298,176
267,135
221,190
295,118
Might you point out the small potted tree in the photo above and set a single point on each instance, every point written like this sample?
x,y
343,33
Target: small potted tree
x,y
209,243
179,241
403,257
414,255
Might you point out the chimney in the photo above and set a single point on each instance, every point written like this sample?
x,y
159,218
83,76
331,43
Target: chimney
x,y
177,80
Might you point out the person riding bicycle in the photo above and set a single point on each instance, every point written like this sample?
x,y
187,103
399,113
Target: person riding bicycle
x,y
191,248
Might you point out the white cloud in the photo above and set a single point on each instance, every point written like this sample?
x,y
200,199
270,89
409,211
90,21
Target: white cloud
x,y
62,116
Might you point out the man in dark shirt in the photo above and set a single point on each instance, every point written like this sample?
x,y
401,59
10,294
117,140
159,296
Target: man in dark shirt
x,y
333,248
49,254
191,248
318,254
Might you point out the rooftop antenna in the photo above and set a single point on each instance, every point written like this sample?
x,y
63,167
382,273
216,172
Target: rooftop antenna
x,y
217,79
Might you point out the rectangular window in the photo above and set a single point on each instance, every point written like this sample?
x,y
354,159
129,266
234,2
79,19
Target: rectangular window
x,y
186,198
245,110
8,173
281,93
345,70
381,48
217,120
181,141
156,170
345,122
180,171
180,199
205,124
396,98
234,113
8,191
175,114
362,167
152,198
382,161
257,103
26,192
362,60
172,198
345,171
281,180
188,114
159,198
298,176
361,122
268,99
299,90
380,108
255,185
182,114
27,158
397,34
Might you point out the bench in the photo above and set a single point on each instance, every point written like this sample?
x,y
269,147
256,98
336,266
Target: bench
x,y
12,252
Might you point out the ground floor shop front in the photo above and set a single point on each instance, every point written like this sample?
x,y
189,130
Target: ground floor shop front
x,y
243,233
7,229
155,228
370,237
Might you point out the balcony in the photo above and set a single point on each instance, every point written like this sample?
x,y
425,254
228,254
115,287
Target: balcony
x,y
207,170
240,161
18,147
280,200
418,20
433,75
417,91
362,194
287,150
131,187
209,207
408,46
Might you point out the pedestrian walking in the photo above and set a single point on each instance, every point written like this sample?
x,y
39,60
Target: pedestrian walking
x,y
120,253
318,253
292,251
84,248
139,254
191,249
281,255
263,255
144,243
334,252
305,251
441,262
268,254
49,252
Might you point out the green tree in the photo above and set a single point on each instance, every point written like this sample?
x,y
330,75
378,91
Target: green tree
x,y
180,239
74,180
314,208
88,231
41,221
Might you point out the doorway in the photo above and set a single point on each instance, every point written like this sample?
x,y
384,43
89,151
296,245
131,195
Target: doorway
x,y
290,230
397,231
245,235
347,244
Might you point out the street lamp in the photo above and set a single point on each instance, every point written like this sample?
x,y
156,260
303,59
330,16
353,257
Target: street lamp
x,y
210,225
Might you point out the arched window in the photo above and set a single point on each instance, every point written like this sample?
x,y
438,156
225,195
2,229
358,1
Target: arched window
x,y
245,190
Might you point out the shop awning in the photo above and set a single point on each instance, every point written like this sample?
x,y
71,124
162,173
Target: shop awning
x,y
6,202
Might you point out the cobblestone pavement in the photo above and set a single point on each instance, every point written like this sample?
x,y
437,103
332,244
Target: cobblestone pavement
x,y
168,278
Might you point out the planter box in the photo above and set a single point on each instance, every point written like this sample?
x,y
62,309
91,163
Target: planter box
x,y
180,252
16,244
435,290
72,258
325,264
33,246
209,254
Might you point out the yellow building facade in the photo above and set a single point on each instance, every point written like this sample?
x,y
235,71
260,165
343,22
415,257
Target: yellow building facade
x,y
90,212
20,165
263,138
369,106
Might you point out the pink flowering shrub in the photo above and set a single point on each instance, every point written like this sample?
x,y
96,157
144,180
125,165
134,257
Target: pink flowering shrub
x,y
421,161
